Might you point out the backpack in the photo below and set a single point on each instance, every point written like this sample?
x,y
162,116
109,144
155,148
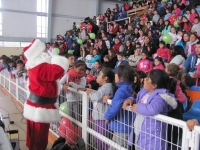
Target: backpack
x,y
60,144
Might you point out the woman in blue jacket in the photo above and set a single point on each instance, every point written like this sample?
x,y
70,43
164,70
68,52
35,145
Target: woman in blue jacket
x,y
96,56
119,121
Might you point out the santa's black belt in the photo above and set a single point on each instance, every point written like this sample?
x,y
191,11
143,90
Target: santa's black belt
x,y
41,100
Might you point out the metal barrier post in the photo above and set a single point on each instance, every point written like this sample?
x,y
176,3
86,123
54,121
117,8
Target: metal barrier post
x,y
84,117
17,89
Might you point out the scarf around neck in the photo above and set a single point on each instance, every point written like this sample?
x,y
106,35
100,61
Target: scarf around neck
x,y
73,76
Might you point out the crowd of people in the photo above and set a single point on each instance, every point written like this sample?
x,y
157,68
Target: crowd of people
x,y
133,65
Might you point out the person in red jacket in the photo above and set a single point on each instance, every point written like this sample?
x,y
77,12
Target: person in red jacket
x,y
164,52
39,109
118,47
116,28
173,18
185,24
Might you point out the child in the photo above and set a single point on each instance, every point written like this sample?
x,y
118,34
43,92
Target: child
x,y
71,60
167,27
178,86
159,64
153,99
105,79
196,26
163,52
144,64
121,60
119,121
178,75
173,35
193,15
74,78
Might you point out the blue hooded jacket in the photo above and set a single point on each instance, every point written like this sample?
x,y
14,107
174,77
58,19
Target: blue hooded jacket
x,y
120,120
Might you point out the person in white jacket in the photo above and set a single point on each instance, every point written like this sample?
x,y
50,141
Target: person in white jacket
x,y
196,26
173,35
134,59
178,56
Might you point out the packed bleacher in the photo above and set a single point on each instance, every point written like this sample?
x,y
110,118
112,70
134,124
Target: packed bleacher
x,y
145,60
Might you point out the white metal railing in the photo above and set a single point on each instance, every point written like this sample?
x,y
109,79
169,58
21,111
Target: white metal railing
x,y
185,139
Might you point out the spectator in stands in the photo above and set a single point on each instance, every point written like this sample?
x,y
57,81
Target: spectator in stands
x,y
68,38
3,62
160,25
162,10
150,14
95,28
167,27
118,47
126,24
76,48
144,65
110,59
96,56
156,17
158,63
135,58
193,15
184,41
71,60
119,121
155,92
149,46
196,26
185,24
190,66
96,69
170,5
168,14
126,6
102,48
173,35
136,34
163,52
124,13
128,49
121,60
116,14
116,28
173,18
177,9
190,48
178,55
143,27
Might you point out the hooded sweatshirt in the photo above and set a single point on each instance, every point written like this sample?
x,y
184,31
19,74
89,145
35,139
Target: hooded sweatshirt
x,y
196,28
160,101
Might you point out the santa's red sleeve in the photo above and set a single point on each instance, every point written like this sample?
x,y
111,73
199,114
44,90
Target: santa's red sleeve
x,y
55,70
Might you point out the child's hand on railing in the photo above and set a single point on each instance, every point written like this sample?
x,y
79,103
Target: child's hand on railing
x,y
133,107
191,124
106,98
65,88
127,102
89,91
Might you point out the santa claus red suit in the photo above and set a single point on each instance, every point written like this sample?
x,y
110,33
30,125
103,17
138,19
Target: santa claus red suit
x,y
40,109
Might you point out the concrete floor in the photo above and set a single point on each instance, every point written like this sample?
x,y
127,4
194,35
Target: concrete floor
x,y
10,109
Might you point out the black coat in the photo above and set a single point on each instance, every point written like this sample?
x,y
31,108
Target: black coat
x,y
111,64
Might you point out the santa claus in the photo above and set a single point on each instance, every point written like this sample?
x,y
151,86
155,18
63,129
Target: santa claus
x,y
40,109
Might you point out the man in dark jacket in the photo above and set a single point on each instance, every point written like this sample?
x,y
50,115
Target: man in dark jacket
x,y
76,48
162,11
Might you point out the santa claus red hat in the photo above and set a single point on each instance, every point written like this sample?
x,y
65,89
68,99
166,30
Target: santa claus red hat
x,y
34,49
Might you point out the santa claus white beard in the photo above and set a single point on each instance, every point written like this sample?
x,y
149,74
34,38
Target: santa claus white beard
x,y
42,58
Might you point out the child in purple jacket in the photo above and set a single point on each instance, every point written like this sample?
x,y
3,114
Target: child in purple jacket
x,y
152,100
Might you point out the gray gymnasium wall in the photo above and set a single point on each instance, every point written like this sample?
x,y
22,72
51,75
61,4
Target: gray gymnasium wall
x,y
20,16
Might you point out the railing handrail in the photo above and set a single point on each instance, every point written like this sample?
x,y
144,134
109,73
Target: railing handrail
x,y
189,138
